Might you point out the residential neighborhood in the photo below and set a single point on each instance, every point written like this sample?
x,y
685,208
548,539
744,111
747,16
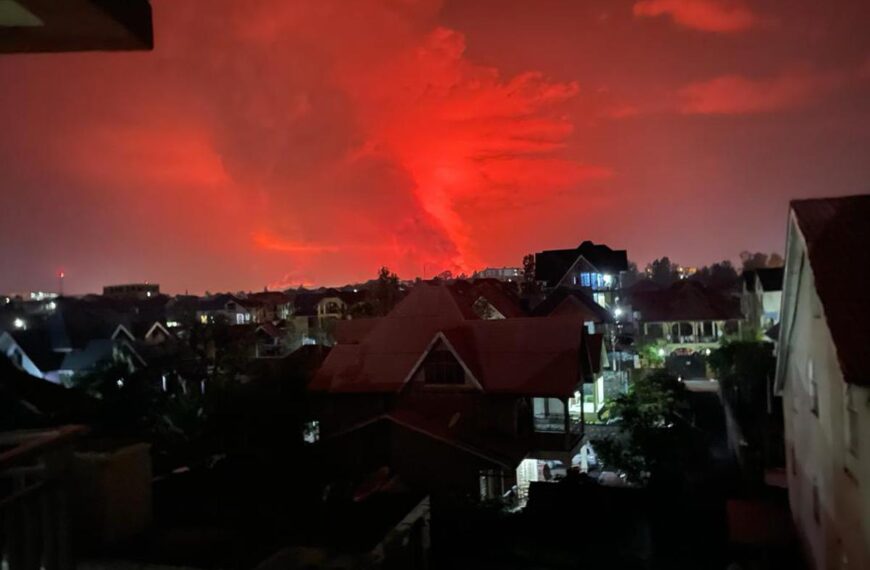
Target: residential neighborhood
x,y
483,391
434,285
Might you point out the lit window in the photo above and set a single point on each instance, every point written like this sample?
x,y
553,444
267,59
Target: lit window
x,y
586,279
311,432
851,424
441,367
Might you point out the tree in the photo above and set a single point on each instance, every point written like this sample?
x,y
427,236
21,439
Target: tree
x,y
656,439
631,275
385,293
758,260
744,370
720,276
530,284
663,272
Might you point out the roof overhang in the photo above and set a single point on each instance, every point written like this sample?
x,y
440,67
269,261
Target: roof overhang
x,y
34,26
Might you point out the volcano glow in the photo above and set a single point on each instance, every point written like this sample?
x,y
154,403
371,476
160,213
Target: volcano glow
x,y
278,143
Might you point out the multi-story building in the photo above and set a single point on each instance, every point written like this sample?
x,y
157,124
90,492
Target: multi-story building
x,y
762,296
451,399
500,273
132,291
592,266
823,375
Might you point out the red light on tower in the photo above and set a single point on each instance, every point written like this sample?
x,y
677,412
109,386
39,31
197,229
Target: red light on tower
x,y
60,276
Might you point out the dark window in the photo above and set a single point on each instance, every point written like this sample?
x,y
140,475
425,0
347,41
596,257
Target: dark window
x,y
441,367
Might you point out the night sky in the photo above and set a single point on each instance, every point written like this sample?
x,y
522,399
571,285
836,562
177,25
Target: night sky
x,y
277,143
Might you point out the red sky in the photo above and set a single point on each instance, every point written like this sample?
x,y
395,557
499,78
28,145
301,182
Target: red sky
x,y
278,143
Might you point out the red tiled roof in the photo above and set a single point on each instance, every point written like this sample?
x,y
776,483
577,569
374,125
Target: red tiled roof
x,y
684,301
353,331
530,356
837,236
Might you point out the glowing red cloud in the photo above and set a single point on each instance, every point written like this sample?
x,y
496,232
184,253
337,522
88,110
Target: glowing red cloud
x,y
704,15
734,94
462,131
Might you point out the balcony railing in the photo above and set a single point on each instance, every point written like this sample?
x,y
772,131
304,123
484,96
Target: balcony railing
x,y
34,515
556,424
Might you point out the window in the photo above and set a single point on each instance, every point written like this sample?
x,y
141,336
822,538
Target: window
x,y
491,484
441,367
813,387
586,279
851,423
311,432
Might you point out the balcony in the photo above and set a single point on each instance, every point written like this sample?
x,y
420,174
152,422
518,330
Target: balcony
x,y
552,438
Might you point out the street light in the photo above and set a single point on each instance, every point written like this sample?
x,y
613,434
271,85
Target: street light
x,y
19,323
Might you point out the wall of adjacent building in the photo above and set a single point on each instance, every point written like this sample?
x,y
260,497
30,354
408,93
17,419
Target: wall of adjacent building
x,y
837,533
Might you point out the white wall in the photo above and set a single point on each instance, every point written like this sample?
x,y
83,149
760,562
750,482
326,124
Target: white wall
x,y
815,444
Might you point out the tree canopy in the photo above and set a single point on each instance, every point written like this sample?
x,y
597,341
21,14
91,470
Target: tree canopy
x,y
656,429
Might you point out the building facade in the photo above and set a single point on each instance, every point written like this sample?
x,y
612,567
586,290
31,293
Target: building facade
x,y
824,379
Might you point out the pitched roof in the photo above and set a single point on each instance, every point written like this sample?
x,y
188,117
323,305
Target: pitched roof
x,y
552,265
536,356
572,302
36,345
837,233
502,296
353,331
770,278
686,300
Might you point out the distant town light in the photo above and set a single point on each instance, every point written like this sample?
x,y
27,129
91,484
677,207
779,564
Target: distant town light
x,y
51,306
19,323
617,312
661,352
707,352
120,382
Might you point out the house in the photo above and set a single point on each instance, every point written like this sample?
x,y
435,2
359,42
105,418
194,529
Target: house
x,y
823,375
269,306
593,266
579,305
74,339
132,291
316,312
509,274
686,318
228,308
452,401
762,296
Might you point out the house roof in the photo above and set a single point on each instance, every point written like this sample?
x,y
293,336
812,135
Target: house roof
x,y
502,296
836,232
686,300
36,345
552,265
572,302
353,331
533,356
305,302
270,298
770,278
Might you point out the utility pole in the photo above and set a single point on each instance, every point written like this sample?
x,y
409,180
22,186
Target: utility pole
x,y
60,283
